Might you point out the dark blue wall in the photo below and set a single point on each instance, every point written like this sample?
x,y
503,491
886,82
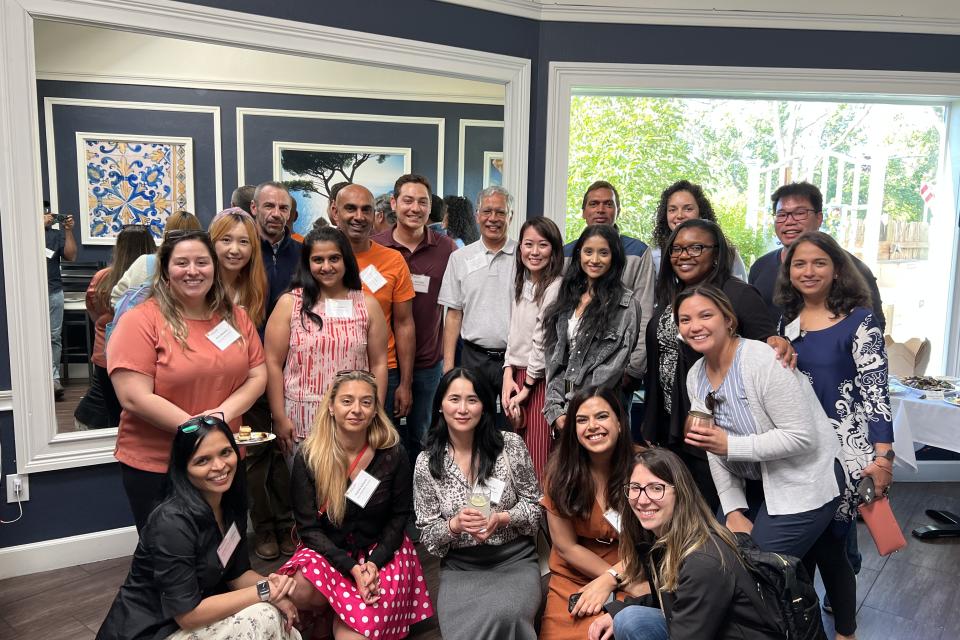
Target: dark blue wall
x,y
459,26
478,140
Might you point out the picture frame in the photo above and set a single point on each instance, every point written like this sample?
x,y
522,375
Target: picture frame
x,y
492,168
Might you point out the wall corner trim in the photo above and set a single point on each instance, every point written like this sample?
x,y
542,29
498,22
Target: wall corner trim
x,y
67,552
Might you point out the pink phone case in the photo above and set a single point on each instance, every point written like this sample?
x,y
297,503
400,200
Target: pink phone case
x,y
883,526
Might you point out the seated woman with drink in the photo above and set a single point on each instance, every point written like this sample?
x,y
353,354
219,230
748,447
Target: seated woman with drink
x,y
190,578
489,578
352,498
584,502
772,451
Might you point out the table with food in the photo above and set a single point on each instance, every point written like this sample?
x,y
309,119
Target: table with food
x,y
926,411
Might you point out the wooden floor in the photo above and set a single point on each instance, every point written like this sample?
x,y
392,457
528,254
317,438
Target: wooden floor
x,y
912,595
73,390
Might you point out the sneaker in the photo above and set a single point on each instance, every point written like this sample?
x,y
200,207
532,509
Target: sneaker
x,y
267,548
58,390
287,546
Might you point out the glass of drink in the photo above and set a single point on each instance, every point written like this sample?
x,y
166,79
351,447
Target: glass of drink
x,y
479,499
698,419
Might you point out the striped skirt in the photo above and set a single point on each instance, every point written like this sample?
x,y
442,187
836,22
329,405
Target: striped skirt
x,y
536,431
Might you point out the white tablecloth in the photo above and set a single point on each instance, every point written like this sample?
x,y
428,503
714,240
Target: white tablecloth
x,y
918,422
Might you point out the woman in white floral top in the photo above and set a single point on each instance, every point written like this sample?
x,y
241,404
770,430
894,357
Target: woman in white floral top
x,y
489,577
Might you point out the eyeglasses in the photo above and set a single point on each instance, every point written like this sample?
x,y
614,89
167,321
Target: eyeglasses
x,y
134,226
655,490
501,214
712,401
692,250
184,234
798,214
196,422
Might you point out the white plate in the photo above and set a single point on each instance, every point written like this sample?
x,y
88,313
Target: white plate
x,y
257,437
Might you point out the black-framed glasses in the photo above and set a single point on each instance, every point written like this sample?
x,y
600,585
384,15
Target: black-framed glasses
x,y
798,214
196,422
136,225
655,490
712,401
692,250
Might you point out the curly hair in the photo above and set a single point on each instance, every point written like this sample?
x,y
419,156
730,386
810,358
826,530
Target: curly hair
x,y
661,231
669,285
461,220
848,291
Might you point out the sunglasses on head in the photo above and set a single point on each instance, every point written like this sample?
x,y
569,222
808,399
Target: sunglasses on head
x,y
366,375
712,401
183,234
194,423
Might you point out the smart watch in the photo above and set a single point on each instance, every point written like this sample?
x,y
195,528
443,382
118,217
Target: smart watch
x,y
527,385
889,455
263,590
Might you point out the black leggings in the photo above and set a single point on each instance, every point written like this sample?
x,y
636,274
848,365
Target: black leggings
x,y
829,554
144,491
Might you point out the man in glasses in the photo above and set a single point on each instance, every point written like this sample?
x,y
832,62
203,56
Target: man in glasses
x,y
798,208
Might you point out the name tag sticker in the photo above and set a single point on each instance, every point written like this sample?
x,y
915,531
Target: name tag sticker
x,y
792,330
528,291
361,489
223,335
372,278
478,261
338,308
421,283
496,487
50,253
228,545
613,518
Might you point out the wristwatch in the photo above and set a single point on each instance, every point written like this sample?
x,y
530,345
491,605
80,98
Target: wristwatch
x,y
263,590
527,385
889,455
616,576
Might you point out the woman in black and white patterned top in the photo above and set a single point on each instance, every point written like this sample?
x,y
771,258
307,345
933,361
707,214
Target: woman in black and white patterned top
x,y
489,578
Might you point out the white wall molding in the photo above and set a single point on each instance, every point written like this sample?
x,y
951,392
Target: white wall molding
x,y
20,187
921,16
66,552
6,400
243,113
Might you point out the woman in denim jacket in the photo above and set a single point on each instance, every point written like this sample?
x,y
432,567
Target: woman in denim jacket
x,y
592,327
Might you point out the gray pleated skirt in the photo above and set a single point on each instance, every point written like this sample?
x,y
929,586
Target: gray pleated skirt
x,y
490,592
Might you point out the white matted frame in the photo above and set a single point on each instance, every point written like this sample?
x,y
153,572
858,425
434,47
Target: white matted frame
x,y
82,183
569,78
488,158
39,447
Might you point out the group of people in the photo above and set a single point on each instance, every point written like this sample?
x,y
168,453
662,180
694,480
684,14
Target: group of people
x,y
477,400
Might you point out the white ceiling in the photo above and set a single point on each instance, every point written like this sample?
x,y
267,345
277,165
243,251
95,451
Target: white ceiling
x,y
919,16
89,54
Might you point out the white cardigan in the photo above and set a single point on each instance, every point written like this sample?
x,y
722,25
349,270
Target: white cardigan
x,y
795,443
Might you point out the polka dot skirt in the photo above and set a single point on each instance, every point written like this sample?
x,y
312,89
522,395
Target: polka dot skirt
x,y
403,592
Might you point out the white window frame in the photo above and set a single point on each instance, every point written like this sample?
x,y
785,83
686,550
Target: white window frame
x,y
39,446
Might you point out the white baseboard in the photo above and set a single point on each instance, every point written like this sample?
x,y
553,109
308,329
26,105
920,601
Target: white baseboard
x,y
931,471
67,552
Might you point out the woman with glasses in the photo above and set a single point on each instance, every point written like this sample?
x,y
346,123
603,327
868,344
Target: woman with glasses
x,y
697,253
187,350
234,234
591,328
840,348
537,281
583,499
700,588
190,578
684,200
771,448
477,501
99,407
352,495
324,324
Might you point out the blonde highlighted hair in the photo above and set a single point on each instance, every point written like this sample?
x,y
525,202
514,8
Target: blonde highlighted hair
x,y
250,288
325,457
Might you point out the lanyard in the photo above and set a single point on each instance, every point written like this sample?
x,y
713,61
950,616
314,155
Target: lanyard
x,y
353,465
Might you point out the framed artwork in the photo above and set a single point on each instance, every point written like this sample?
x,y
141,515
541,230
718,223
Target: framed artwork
x,y
492,168
311,170
126,180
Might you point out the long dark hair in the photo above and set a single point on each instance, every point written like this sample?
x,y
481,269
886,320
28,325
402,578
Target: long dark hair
x,y
177,483
487,439
549,231
302,278
848,291
662,229
569,482
461,220
607,290
669,285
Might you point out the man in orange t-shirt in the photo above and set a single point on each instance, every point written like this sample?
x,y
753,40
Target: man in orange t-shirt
x,y
386,277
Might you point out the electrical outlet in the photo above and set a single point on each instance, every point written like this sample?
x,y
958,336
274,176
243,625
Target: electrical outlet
x,y
14,481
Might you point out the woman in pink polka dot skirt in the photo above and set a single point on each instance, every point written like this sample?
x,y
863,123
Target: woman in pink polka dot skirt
x,y
353,495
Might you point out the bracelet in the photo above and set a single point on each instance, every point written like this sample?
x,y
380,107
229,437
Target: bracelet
x,y
450,528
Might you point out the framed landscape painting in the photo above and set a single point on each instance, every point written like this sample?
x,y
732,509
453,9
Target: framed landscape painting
x,y
311,170
125,180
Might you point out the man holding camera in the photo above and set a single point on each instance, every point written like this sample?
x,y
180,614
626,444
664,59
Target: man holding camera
x,y
60,245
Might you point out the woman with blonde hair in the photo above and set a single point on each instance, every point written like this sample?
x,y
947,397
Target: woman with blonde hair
x,y
184,351
234,234
353,495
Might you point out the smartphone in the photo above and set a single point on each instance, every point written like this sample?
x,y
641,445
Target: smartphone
x,y
866,490
60,217
572,601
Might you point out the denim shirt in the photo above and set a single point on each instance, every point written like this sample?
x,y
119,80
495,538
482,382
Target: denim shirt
x,y
600,359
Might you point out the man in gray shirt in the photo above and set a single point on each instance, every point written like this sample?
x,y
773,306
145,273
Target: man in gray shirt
x,y
476,291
